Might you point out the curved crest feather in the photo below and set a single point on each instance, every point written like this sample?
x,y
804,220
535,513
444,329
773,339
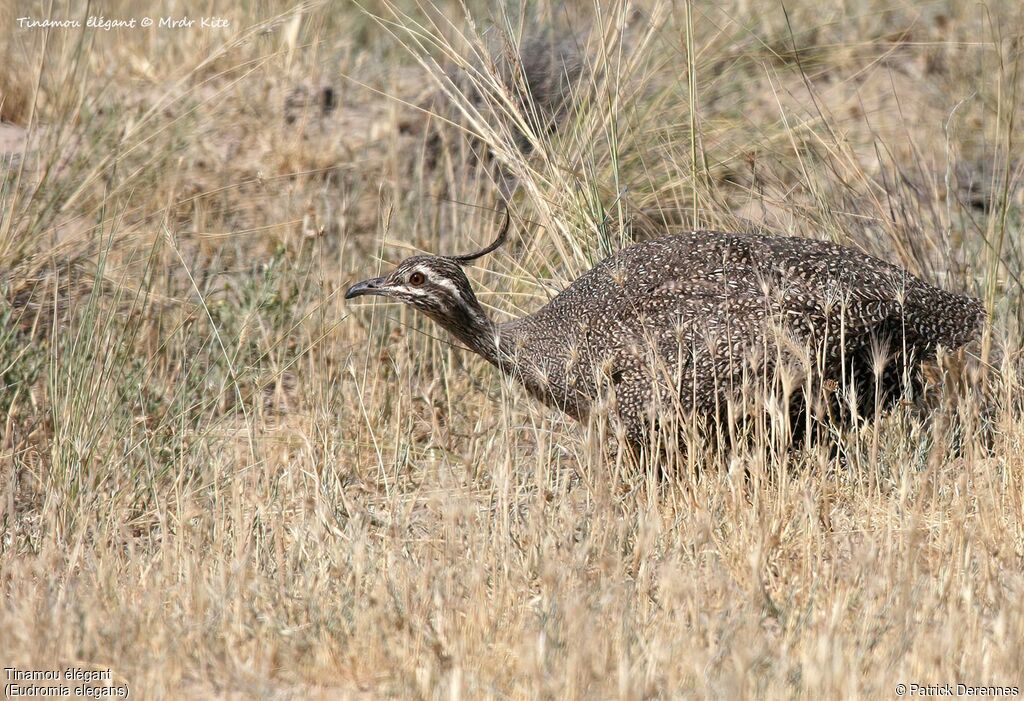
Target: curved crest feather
x,y
498,242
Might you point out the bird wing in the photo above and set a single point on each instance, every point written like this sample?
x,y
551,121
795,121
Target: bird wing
x,y
754,318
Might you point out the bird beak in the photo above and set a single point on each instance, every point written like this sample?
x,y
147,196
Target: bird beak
x,y
373,286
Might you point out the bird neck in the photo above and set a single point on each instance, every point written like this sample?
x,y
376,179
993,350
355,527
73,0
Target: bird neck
x,y
503,346
470,325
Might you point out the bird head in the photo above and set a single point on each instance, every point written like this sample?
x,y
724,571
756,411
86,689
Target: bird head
x,y
435,285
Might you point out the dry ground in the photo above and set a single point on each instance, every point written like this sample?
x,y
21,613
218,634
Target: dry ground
x,y
219,480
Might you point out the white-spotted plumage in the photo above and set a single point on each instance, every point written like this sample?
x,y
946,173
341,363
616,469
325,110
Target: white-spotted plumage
x,y
690,324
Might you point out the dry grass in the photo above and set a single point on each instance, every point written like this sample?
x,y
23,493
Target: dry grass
x,y
220,481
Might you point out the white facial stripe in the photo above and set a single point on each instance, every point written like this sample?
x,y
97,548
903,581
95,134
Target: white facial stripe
x,y
439,281
448,285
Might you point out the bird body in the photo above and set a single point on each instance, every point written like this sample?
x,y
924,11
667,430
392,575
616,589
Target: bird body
x,y
688,323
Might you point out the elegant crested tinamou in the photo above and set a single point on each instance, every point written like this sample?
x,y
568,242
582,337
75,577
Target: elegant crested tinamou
x,y
691,325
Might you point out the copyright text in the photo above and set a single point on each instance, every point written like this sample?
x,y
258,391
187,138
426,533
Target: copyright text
x,y
955,690
106,24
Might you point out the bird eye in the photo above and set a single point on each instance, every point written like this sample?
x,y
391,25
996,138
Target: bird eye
x,y
417,279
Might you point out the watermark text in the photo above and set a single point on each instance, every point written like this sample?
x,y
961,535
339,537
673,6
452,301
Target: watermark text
x,y
62,682
106,24
955,690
